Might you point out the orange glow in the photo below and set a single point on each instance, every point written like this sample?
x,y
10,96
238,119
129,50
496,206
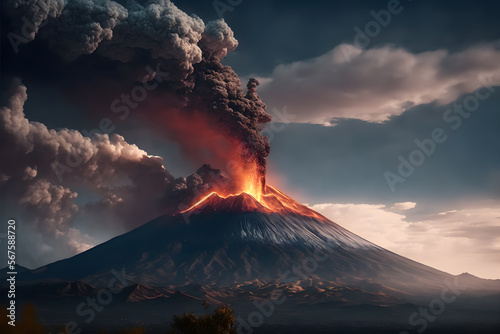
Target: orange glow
x,y
201,138
198,135
251,182
271,200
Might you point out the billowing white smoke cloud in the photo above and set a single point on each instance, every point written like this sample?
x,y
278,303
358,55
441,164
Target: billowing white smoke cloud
x,y
37,176
375,84
52,203
42,168
218,39
46,171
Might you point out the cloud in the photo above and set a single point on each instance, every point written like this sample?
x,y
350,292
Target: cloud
x,y
218,39
403,206
354,155
42,168
103,45
375,84
456,241
42,165
192,92
145,31
50,201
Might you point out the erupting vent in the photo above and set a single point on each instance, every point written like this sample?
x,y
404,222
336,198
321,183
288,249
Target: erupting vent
x,y
271,200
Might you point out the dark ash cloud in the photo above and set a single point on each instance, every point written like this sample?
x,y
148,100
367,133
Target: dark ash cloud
x,y
94,50
42,167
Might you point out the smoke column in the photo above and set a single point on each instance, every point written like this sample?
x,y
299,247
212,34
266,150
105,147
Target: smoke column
x,y
200,98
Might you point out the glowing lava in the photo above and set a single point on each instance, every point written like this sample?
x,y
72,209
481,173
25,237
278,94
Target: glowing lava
x,y
271,200
252,182
249,193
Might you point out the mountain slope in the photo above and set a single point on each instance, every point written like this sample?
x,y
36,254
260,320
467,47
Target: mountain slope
x,y
240,251
232,240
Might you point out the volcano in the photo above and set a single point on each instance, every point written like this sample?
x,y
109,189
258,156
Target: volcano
x,y
237,249
234,239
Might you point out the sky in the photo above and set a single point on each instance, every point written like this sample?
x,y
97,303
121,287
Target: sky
x,y
385,120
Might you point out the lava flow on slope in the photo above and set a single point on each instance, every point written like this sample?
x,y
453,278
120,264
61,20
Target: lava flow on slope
x,y
269,200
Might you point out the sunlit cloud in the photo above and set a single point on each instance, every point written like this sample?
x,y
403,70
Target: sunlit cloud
x,y
375,84
455,241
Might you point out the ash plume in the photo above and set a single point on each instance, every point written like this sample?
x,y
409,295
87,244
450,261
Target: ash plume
x,y
217,91
42,166
94,50
127,36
